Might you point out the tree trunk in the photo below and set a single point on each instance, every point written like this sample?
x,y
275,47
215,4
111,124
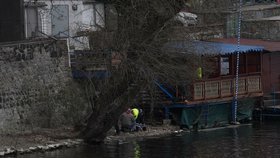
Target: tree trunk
x,y
107,110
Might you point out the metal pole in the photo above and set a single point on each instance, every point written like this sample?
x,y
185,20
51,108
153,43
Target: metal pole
x,y
234,119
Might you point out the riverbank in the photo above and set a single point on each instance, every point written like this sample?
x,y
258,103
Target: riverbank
x,y
43,140
37,140
152,131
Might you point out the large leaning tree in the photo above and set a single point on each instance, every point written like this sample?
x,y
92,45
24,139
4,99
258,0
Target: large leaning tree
x,y
142,29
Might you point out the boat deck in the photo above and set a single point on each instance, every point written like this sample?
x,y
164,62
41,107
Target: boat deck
x,y
273,107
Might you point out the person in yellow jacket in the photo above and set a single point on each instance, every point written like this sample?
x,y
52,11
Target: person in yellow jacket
x,y
139,119
135,113
199,73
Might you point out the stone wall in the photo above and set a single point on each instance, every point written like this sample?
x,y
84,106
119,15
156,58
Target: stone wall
x,y
256,22
197,32
36,87
262,29
261,13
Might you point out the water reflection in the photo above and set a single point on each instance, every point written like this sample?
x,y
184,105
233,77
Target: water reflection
x,y
260,140
236,143
137,151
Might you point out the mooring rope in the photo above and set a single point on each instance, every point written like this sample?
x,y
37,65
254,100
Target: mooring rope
x,y
237,63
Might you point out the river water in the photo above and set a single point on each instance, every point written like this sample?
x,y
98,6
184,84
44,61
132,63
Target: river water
x,y
256,140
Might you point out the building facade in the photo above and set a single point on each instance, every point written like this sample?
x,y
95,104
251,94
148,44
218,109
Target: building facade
x,y
63,19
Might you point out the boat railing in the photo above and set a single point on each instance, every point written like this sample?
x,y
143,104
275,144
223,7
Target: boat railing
x,y
222,88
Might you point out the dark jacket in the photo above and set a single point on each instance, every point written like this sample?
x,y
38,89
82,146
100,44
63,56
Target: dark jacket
x,y
127,120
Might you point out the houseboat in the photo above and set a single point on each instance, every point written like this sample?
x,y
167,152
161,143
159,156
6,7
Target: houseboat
x,y
212,98
270,73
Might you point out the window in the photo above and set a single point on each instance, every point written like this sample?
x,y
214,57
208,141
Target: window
x,y
32,22
224,65
242,64
213,66
253,63
248,63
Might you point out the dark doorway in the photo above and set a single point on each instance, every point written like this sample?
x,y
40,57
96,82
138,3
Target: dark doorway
x,y
11,20
271,72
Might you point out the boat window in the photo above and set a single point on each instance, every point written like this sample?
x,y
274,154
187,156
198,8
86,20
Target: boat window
x,y
224,65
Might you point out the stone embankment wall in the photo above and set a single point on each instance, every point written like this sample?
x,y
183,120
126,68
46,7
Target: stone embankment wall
x,y
36,87
259,13
258,22
262,29
197,32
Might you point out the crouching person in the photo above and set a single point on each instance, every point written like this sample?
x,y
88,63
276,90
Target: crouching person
x,y
127,121
138,115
